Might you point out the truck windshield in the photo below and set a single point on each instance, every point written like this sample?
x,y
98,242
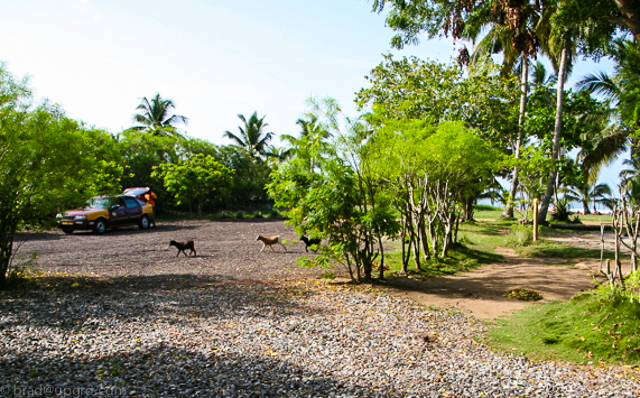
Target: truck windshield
x,y
98,202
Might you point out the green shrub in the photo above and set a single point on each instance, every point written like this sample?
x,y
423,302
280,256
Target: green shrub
x,y
520,235
562,212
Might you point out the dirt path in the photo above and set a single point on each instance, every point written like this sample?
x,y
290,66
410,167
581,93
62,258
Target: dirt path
x,y
480,292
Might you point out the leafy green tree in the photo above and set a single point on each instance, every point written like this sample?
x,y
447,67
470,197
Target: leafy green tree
x,y
583,120
410,88
601,20
249,180
155,116
333,194
397,150
193,180
459,163
431,171
516,30
252,136
142,153
46,161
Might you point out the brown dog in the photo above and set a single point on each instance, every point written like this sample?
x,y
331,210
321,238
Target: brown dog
x,y
270,241
182,246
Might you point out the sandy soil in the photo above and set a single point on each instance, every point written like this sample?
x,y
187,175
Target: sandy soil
x,y
481,292
228,252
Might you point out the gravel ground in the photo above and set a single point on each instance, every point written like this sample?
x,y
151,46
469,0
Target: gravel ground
x,y
211,330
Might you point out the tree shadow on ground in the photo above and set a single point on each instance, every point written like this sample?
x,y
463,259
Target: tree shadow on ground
x,y
168,368
70,303
173,344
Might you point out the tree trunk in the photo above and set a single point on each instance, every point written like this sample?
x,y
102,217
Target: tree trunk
x,y
423,238
555,153
524,80
6,250
468,209
631,16
381,251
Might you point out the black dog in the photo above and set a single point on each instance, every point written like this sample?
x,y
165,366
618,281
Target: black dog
x,y
182,246
308,242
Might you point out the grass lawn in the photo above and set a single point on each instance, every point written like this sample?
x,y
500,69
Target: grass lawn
x,y
597,326
591,327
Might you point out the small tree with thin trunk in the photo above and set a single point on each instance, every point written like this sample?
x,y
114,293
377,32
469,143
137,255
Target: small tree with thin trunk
x,y
193,181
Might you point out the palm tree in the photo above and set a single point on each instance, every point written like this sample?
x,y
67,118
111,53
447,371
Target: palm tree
x,y
561,50
540,77
632,173
517,31
310,128
589,193
155,117
279,154
252,137
623,91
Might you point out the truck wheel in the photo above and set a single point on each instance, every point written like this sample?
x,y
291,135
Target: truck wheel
x,y
144,222
99,227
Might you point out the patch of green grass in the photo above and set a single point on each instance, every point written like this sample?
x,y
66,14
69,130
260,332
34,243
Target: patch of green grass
x,y
547,249
595,217
486,214
484,236
588,328
461,258
486,208
328,275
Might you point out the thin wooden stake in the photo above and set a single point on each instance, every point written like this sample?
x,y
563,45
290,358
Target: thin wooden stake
x,y
535,219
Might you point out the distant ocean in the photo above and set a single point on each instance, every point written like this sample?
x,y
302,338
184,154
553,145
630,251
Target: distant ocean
x,y
575,207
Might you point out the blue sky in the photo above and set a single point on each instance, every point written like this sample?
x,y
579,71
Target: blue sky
x,y
215,59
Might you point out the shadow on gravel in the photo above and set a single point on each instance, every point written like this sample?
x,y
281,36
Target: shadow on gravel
x,y
72,303
169,335
36,236
164,368
250,220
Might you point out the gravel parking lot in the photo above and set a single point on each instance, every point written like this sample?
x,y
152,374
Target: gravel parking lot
x,y
125,317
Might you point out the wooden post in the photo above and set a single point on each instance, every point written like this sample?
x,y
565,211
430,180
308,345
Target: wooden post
x,y
535,220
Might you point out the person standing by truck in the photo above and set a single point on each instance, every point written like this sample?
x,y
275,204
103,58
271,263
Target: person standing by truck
x,y
150,199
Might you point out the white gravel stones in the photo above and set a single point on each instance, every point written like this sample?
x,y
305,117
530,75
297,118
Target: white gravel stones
x,y
263,341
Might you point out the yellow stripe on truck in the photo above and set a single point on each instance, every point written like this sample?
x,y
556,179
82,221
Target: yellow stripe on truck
x,y
98,214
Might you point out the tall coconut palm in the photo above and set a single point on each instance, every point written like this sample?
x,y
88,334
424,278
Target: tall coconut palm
x,y
589,194
632,172
565,44
252,137
540,76
622,89
515,31
310,127
156,116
